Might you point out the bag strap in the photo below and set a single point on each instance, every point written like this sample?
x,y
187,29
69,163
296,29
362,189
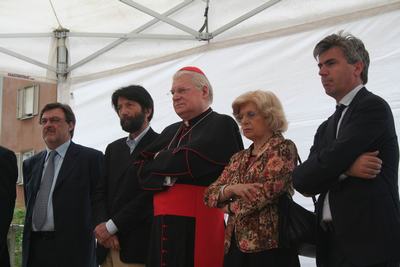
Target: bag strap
x,y
314,199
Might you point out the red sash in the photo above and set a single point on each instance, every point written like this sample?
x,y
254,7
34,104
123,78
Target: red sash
x,y
188,200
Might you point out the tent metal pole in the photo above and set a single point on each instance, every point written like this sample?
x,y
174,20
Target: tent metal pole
x,y
167,13
161,36
161,17
244,17
119,41
62,53
27,59
132,36
25,35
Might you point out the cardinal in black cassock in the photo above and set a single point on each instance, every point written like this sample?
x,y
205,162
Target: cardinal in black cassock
x,y
178,166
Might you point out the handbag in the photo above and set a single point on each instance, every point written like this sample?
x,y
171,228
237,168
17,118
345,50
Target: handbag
x,y
297,227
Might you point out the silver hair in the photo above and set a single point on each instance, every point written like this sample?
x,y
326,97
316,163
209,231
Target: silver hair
x,y
198,80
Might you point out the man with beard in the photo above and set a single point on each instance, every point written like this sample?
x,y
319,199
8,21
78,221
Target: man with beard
x,y
123,211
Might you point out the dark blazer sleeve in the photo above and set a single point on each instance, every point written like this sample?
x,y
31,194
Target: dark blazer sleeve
x,y
8,178
100,209
96,174
135,212
363,127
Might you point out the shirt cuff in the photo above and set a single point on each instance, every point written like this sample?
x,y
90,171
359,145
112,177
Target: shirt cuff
x,y
169,181
111,227
221,192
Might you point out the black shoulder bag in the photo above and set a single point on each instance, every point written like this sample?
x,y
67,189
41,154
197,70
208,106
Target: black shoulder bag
x,y
297,226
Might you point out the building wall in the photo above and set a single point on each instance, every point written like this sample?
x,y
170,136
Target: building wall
x,y
22,135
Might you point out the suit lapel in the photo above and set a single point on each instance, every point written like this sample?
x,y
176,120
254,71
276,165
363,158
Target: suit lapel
x,y
122,152
330,128
68,164
35,179
38,171
120,156
352,105
125,152
143,143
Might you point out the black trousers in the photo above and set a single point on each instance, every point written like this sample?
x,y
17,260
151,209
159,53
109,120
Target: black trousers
x,y
278,257
336,257
42,252
4,256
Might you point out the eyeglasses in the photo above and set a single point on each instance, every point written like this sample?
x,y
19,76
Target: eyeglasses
x,y
179,91
52,120
249,115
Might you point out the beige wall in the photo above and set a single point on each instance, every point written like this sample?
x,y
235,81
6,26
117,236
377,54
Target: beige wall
x,y
22,135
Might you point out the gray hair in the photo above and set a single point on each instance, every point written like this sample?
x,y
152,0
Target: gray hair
x,y
198,80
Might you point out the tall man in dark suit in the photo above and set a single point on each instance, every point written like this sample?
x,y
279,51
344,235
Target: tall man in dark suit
x,y
59,183
8,178
353,164
123,210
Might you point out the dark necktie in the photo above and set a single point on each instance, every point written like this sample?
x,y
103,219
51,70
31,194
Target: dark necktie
x,y
42,197
337,115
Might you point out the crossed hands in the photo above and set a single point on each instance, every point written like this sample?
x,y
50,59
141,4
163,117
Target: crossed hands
x,y
366,166
105,238
247,192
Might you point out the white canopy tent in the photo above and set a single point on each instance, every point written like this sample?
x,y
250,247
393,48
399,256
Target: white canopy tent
x,y
108,36
114,43
270,50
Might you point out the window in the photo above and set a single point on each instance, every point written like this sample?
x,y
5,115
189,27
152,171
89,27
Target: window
x,y
27,102
20,159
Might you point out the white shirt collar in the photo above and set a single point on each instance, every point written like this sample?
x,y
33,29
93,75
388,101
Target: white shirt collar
x,y
346,100
133,142
61,150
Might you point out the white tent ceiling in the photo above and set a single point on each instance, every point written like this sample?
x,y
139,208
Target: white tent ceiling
x,y
26,30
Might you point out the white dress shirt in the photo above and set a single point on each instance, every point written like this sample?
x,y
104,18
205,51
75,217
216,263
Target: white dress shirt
x,y
346,100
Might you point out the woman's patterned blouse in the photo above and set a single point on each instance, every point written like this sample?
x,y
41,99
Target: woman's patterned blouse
x,y
256,223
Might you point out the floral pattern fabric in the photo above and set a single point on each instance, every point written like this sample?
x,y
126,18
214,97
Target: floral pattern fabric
x,y
256,223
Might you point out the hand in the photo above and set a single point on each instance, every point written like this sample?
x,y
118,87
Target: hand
x,y
101,232
225,209
230,208
112,243
366,166
247,192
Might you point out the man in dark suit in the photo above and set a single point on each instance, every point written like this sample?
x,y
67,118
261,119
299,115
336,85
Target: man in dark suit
x,y
123,210
59,183
8,178
353,164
